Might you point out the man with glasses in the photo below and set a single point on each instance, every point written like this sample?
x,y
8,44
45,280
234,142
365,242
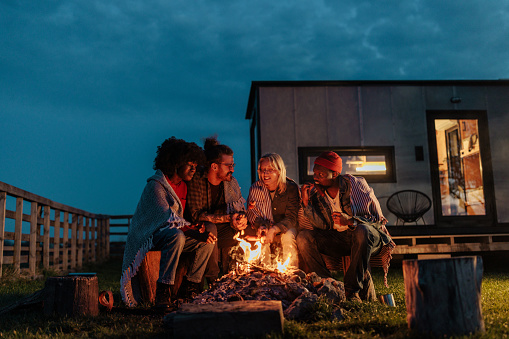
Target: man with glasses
x,y
347,221
214,197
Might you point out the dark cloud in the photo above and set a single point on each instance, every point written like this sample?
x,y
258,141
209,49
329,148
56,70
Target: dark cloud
x,y
95,86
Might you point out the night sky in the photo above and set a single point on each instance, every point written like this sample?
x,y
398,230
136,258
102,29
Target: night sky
x,y
89,89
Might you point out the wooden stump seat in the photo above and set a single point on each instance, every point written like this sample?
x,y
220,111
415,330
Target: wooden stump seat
x,y
443,296
145,281
71,296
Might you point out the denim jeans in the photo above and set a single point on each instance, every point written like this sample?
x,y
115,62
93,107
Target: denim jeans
x,y
359,244
172,242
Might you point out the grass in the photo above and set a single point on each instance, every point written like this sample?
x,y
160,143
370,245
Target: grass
x,y
367,320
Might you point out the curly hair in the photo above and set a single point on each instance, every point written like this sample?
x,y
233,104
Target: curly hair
x,y
175,153
214,150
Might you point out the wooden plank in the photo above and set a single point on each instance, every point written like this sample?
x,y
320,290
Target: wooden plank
x,y
56,241
80,241
94,240
100,239
445,248
18,224
250,318
87,241
32,253
107,238
17,192
65,242
74,229
3,200
45,237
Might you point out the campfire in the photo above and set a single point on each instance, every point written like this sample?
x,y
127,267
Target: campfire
x,y
254,276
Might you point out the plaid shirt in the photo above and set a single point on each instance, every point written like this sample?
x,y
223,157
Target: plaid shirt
x,y
199,201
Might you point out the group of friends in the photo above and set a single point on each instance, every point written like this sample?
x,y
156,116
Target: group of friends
x,y
193,203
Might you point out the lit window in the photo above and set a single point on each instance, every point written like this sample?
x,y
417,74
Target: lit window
x,y
375,164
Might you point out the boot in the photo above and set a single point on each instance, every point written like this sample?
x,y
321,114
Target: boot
x,y
163,295
190,289
368,292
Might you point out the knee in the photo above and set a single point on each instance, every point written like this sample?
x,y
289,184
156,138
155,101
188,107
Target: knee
x,y
304,238
360,234
180,237
288,238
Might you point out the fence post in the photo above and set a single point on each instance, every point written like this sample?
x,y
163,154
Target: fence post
x,y
65,243
56,241
80,240
94,239
87,241
18,223
32,253
107,237
74,228
45,237
3,199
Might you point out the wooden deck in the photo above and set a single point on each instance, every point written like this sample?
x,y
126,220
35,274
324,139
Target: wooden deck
x,y
436,244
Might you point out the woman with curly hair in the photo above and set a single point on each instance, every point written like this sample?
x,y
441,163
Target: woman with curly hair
x,y
158,223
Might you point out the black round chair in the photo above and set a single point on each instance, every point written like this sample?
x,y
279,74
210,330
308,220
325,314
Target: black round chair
x,y
409,205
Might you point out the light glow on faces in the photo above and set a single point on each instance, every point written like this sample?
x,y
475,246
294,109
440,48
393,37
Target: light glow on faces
x,y
187,171
225,172
268,174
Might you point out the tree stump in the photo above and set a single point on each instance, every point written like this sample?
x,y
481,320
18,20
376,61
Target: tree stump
x,y
145,281
251,318
71,296
443,296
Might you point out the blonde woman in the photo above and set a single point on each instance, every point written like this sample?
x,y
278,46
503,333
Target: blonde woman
x,y
273,205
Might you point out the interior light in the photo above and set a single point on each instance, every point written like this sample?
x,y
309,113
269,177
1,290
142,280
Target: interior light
x,y
371,167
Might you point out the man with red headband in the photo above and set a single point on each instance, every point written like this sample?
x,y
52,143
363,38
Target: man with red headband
x,y
347,220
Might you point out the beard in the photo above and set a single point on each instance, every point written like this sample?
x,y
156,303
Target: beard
x,y
227,177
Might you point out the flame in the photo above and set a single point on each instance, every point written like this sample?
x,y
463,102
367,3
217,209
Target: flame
x,y
283,267
250,255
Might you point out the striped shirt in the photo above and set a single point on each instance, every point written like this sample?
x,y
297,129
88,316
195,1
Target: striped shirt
x,y
364,206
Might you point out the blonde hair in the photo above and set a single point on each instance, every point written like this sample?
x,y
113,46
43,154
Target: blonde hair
x,y
277,163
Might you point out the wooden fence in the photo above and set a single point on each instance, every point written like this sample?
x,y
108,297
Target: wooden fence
x,y
119,227
50,236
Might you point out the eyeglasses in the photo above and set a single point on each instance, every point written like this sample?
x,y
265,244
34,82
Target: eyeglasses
x,y
268,171
231,166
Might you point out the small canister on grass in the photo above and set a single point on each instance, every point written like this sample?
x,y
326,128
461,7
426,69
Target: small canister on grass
x,y
387,299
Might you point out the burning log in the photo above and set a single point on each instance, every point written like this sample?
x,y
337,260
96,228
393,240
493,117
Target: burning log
x,y
263,285
255,279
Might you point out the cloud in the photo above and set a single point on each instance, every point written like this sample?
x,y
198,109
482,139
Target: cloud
x,y
125,74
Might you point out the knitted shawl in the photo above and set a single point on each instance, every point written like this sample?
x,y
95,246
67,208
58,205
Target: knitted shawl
x,y
158,207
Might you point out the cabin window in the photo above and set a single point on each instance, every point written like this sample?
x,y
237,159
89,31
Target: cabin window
x,y
375,164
